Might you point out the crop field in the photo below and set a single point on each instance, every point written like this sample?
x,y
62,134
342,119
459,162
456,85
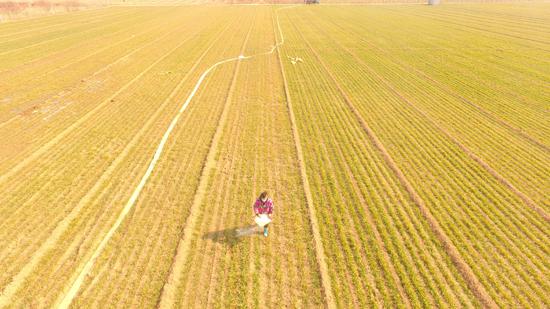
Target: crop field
x,y
406,149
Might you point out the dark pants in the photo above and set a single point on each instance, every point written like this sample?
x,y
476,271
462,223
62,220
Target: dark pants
x,y
266,226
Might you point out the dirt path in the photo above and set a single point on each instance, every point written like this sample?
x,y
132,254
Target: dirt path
x,y
67,299
52,240
171,284
320,252
455,94
379,241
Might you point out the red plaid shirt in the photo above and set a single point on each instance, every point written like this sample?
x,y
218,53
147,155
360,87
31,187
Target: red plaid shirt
x,y
263,207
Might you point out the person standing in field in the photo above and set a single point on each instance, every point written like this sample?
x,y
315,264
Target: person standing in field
x,y
264,207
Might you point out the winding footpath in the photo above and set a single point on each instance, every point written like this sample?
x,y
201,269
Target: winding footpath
x,y
171,284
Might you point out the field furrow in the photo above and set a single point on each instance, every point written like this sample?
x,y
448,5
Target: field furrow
x,y
64,110
366,165
389,116
72,194
222,238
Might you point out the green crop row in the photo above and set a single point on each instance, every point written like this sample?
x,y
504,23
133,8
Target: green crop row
x,y
66,173
422,131
490,226
255,153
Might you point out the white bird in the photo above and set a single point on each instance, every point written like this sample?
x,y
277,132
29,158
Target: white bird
x,y
295,60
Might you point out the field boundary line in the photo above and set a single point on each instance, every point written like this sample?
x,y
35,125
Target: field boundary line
x,y
61,228
168,291
234,134
463,268
9,120
67,299
319,249
455,94
501,179
45,147
258,136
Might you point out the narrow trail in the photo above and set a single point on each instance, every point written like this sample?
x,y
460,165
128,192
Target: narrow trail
x,y
319,250
464,269
253,246
75,287
221,217
169,292
60,229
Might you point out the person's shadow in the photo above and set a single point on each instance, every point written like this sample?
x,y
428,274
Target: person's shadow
x,y
232,236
